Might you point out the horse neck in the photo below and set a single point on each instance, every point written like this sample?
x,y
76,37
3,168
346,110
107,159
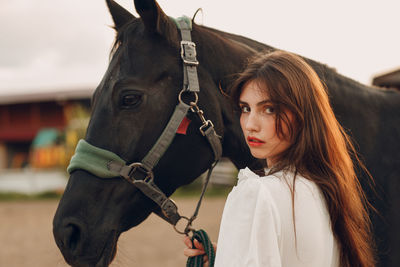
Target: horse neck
x,y
224,55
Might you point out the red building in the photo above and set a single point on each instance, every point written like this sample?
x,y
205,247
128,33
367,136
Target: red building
x,y
22,116
389,80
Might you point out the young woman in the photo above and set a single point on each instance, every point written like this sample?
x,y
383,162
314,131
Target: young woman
x,y
308,209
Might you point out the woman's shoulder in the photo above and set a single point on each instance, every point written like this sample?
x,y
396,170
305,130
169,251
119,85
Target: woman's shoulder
x,y
251,198
251,186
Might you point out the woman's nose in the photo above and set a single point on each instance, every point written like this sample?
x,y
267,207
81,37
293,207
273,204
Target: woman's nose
x,y
252,123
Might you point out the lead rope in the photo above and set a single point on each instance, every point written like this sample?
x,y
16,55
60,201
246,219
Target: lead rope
x,y
203,191
201,235
198,261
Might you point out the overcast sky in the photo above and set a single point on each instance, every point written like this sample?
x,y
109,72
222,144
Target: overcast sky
x,y
59,44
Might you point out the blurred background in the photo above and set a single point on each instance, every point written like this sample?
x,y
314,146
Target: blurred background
x,y
54,53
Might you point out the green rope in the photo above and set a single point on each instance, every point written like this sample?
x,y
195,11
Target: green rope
x,y
197,261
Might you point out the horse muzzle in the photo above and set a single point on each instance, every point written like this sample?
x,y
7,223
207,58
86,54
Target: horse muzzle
x,y
92,214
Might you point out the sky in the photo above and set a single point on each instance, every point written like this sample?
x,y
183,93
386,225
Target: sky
x,y
48,45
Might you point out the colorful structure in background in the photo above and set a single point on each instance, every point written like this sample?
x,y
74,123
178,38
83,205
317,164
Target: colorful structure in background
x,y
53,148
41,130
47,149
388,80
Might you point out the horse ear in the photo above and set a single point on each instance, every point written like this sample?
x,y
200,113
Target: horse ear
x,y
154,18
120,15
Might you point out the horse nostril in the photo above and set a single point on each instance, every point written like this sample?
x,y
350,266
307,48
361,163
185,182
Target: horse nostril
x,y
72,237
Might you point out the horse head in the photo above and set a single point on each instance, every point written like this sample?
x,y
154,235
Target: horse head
x,y
130,109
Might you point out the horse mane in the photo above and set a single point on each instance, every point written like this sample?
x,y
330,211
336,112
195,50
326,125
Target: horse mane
x,y
250,43
323,70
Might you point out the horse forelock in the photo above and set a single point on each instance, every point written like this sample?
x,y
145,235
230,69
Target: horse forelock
x,y
119,37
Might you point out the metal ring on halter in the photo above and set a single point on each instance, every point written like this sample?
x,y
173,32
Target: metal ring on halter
x,y
187,228
139,166
186,91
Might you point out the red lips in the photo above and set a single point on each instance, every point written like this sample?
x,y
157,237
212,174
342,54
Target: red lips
x,y
252,141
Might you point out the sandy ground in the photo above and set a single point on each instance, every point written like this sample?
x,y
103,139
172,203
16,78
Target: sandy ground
x,y
26,236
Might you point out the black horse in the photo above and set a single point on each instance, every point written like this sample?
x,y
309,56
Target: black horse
x,y
135,100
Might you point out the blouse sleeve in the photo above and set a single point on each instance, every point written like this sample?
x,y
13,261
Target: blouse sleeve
x,y
250,228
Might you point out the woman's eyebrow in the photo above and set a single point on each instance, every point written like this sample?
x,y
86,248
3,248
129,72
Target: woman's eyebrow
x,y
261,103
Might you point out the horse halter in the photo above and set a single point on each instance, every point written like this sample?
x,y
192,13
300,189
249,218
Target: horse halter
x,y
106,164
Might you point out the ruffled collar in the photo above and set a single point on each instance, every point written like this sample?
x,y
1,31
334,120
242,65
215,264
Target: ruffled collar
x,y
245,174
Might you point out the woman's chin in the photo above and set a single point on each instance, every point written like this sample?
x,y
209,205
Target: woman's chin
x,y
258,153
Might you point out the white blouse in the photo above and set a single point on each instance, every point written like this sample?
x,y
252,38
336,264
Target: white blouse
x,y
257,224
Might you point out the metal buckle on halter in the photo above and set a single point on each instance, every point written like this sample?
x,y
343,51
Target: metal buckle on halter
x,y
168,204
207,123
138,166
188,53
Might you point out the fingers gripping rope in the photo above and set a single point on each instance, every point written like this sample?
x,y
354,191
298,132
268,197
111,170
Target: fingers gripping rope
x,y
203,238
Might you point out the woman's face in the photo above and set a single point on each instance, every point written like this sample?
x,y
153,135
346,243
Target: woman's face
x,y
257,120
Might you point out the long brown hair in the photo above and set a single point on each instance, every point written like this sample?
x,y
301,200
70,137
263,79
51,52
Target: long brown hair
x,y
320,149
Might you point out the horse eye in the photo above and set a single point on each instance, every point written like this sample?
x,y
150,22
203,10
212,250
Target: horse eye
x,y
131,100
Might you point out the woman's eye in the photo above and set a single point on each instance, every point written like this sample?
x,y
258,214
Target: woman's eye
x,y
131,100
244,109
270,110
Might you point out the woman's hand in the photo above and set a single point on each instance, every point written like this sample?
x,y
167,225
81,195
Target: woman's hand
x,y
197,250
